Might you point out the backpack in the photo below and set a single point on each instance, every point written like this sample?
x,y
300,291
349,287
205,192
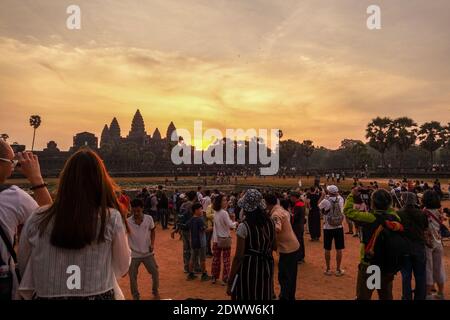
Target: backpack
x,y
391,247
334,216
183,217
6,275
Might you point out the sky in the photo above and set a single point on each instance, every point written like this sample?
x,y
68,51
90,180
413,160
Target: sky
x,y
309,67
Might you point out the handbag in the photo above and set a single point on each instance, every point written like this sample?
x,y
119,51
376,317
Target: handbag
x,y
224,242
443,230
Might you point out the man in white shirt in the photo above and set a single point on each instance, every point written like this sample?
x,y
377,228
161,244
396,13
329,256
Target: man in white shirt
x,y
15,204
206,201
199,194
142,240
332,207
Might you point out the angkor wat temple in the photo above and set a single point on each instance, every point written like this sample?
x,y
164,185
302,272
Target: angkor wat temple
x,y
137,152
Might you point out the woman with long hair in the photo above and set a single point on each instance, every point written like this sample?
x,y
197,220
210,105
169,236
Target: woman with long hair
x,y
221,239
251,276
75,248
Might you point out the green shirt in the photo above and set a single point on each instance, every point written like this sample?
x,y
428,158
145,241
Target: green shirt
x,y
362,216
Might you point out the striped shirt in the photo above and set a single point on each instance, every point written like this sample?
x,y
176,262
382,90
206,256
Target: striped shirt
x,y
46,269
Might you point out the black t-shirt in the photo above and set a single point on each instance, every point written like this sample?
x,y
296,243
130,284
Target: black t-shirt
x,y
415,223
197,229
314,200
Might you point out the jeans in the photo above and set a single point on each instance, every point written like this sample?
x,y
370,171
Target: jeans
x,y
151,266
287,275
164,216
185,236
414,263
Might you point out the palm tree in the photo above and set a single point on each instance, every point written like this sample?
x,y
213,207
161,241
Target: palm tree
x,y
377,133
403,134
4,136
431,137
35,122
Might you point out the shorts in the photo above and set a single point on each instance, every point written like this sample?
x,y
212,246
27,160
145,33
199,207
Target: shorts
x,y
198,253
336,234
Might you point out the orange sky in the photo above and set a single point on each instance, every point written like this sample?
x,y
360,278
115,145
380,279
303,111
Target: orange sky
x,y
311,68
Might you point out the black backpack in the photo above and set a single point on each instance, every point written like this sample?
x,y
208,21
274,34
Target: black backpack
x,y
183,217
391,247
6,278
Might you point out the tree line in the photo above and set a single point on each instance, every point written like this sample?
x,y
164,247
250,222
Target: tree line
x,y
399,143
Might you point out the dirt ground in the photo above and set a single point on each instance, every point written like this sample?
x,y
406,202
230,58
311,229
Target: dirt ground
x,y
312,284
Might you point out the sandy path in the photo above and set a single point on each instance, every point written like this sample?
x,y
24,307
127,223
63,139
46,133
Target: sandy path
x,y
312,284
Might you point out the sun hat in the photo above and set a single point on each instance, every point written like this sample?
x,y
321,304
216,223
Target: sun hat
x,y
332,189
251,201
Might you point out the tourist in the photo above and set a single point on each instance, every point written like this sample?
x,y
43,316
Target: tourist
x,y
298,223
199,194
415,223
313,197
209,220
382,210
182,228
17,205
435,269
287,246
251,277
151,206
82,228
163,207
206,200
332,206
143,195
221,239
142,244
197,229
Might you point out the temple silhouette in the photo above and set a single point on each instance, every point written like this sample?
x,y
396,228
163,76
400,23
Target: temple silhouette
x,y
137,152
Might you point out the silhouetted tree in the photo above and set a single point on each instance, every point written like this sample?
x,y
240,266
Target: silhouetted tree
x,y
35,122
403,135
355,152
306,150
430,137
377,133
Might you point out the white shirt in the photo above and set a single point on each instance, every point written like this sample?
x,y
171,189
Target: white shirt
x,y
206,201
222,225
16,207
139,237
325,204
44,267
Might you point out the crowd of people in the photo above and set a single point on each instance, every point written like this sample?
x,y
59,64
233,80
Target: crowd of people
x,y
95,234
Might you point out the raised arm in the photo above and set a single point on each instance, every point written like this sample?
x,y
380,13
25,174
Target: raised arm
x,y
355,214
29,167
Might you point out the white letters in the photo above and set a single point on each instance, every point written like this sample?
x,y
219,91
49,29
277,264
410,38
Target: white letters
x,y
374,20
74,280
374,280
73,22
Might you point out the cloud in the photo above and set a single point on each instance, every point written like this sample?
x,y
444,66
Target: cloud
x,y
309,68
